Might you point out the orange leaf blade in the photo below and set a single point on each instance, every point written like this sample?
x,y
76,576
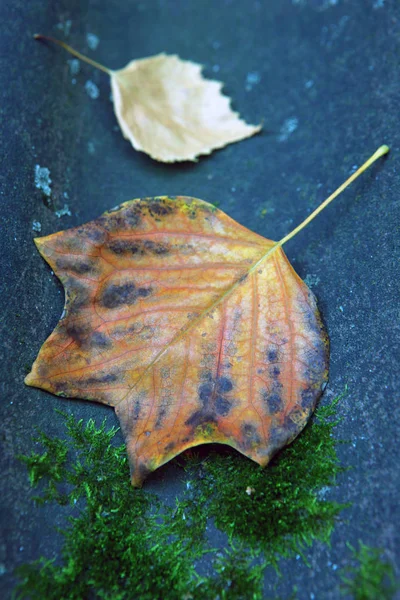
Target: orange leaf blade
x,y
174,317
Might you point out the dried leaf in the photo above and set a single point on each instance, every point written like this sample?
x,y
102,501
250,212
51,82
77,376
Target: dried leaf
x,y
167,109
194,328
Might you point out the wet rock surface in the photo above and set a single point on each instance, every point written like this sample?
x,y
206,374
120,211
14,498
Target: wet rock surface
x,y
323,78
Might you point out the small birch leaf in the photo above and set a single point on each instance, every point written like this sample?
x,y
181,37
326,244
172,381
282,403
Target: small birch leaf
x,y
167,109
194,328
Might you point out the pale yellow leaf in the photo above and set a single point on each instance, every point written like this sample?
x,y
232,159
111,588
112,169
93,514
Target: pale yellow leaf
x,y
167,109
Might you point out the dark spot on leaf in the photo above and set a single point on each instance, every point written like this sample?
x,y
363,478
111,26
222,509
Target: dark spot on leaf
x,y
224,384
250,435
59,387
79,333
275,372
277,437
160,207
126,293
138,247
291,426
144,292
311,316
160,418
155,247
94,234
169,447
100,340
222,406
132,215
248,429
212,394
136,410
109,378
308,398
205,393
80,268
116,295
200,417
274,402
118,246
122,219
272,355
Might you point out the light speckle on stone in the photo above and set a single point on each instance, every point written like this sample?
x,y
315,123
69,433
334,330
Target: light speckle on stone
x,y
253,78
378,4
65,26
43,180
91,148
92,41
92,90
311,280
309,84
216,68
323,492
36,226
288,127
321,5
63,212
74,66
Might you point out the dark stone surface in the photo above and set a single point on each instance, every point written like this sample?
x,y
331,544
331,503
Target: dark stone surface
x,y
329,66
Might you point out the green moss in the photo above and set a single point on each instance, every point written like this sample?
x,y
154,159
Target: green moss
x,y
124,543
117,546
280,509
235,579
371,577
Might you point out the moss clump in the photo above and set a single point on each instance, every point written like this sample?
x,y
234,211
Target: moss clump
x,y
124,543
371,577
116,547
280,509
235,577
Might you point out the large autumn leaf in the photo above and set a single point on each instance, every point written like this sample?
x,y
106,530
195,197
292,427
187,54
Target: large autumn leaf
x,y
167,109
194,328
